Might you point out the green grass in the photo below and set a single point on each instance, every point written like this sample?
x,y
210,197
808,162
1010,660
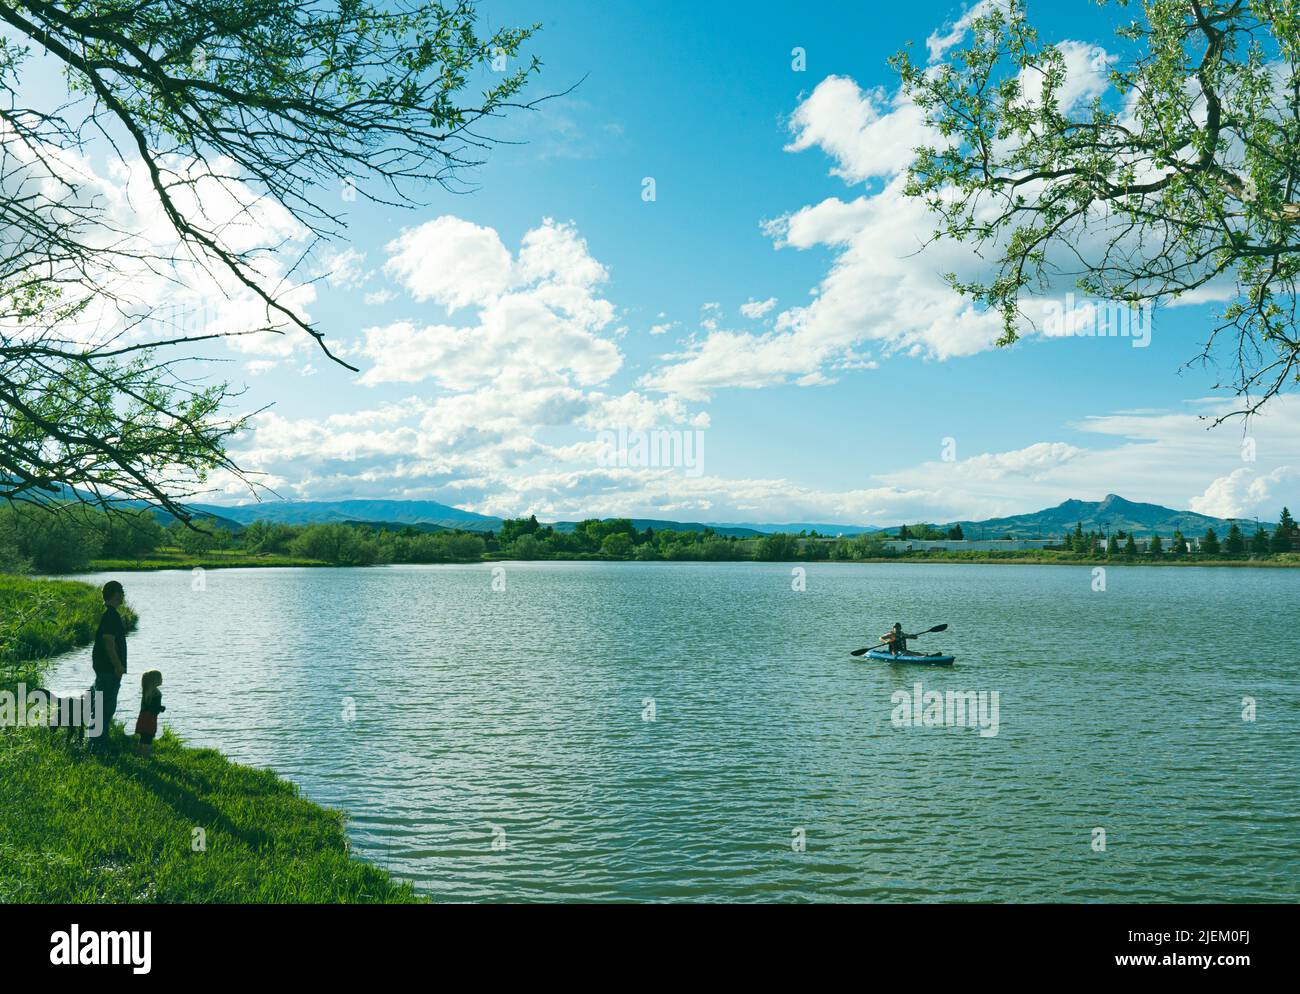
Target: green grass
x,y
115,827
217,559
79,828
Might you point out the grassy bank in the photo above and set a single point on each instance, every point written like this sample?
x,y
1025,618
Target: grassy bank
x,y
171,558
42,618
186,825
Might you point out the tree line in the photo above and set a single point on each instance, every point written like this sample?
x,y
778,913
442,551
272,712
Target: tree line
x,y
1285,537
70,537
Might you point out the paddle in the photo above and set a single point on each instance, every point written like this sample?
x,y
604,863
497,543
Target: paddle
x,y
883,645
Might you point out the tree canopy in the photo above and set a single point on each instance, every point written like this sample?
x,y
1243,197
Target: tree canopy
x,y
226,109
1171,175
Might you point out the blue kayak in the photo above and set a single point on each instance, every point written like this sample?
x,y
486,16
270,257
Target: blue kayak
x,y
931,659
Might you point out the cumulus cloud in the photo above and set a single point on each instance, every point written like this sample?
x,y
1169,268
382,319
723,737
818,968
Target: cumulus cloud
x,y
866,132
885,293
733,359
1245,493
877,294
520,384
540,318
450,261
1085,76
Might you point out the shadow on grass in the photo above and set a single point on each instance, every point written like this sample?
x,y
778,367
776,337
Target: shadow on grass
x,y
175,787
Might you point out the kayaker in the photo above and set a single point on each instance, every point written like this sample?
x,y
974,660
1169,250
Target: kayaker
x,y
896,639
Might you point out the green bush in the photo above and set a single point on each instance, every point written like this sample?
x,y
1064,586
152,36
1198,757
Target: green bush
x,y
778,547
57,538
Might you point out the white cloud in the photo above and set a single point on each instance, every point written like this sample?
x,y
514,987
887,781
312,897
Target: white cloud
x,y
885,289
867,132
733,359
878,292
635,410
832,222
1031,461
450,261
941,42
755,309
539,318
521,384
554,254
344,268
1246,493
1085,73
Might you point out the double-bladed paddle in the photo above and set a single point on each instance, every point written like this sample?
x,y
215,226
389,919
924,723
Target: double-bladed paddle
x,y
883,645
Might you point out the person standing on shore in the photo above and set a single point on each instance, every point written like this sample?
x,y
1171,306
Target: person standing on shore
x,y
151,706
109,659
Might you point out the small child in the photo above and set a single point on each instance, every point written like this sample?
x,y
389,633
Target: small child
x,y
151,705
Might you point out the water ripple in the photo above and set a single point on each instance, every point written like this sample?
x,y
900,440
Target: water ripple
x,y
494,745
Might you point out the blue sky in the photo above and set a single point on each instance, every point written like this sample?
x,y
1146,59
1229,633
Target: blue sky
x,y
770,184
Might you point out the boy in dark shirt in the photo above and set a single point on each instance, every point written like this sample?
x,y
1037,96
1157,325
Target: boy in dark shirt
x,y
108,658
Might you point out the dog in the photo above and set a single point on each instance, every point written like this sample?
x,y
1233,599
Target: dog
x,y
72,713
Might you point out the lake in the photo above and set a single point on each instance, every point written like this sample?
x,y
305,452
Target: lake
x,y
698,731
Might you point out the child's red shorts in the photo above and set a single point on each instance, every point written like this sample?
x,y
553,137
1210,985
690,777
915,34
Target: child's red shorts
x,y
146,726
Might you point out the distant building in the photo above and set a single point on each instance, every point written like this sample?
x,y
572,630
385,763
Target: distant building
x,y
970,545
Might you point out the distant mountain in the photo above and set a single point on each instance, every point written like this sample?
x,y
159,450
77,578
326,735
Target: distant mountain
x,y
374,512
211,517
1111,514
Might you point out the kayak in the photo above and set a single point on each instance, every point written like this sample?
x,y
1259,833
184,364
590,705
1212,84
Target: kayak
x,y
930,659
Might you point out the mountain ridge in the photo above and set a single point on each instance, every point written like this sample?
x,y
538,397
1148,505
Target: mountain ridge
x,y
1110,514
355,511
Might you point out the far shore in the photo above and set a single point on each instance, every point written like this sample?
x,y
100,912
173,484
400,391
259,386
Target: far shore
x,y
245,561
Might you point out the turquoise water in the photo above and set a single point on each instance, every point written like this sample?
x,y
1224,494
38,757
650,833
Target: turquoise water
x,y
500,748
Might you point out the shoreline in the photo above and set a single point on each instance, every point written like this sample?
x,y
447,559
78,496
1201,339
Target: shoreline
x,y
199,562
185,825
